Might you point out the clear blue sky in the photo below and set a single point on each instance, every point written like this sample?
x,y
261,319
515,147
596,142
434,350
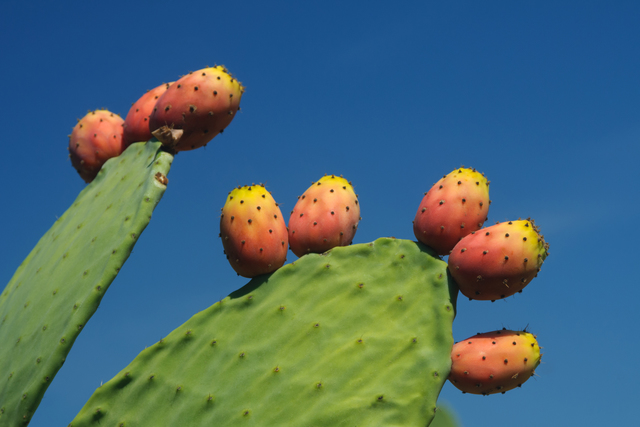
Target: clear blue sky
x,y
544,97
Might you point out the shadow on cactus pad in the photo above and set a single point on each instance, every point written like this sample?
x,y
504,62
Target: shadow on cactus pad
x,y
360,335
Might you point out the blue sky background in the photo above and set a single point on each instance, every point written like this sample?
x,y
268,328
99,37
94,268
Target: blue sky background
x,y
544,97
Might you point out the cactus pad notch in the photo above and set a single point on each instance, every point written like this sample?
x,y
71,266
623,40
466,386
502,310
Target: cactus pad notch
x,y
358,336
60,284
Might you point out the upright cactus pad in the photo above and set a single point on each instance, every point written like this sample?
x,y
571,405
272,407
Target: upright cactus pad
x,y
59,285
359,336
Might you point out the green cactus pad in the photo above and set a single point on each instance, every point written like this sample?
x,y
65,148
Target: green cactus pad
x,y
59,285
445,417
359,336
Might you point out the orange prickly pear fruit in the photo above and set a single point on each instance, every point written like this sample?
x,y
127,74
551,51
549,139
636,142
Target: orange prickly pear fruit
x,y
498,261
196,108
253,232
325,216
494,362
136,124
455,206
96,138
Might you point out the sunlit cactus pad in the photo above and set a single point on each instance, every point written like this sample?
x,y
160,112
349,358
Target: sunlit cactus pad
x,y
359,336
59,285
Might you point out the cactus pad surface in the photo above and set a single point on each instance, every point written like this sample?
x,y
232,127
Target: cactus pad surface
x,y
60,284
358,336
445,417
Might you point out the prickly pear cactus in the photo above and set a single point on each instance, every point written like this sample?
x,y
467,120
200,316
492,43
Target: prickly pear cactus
x,y
59,285
359,336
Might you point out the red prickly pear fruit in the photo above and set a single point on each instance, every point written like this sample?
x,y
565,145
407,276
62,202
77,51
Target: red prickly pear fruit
x,y
324,217
96,138
498,261
494,362
196,108
136,124
253,232
455,206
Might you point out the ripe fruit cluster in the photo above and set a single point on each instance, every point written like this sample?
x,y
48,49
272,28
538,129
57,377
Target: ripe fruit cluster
x,y
490,263
255,237
183,115
487,264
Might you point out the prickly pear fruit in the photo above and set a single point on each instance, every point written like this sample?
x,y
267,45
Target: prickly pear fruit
x,y
196,108
325,216
499,260
455,206
494,362
96,138
136,124
253,232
